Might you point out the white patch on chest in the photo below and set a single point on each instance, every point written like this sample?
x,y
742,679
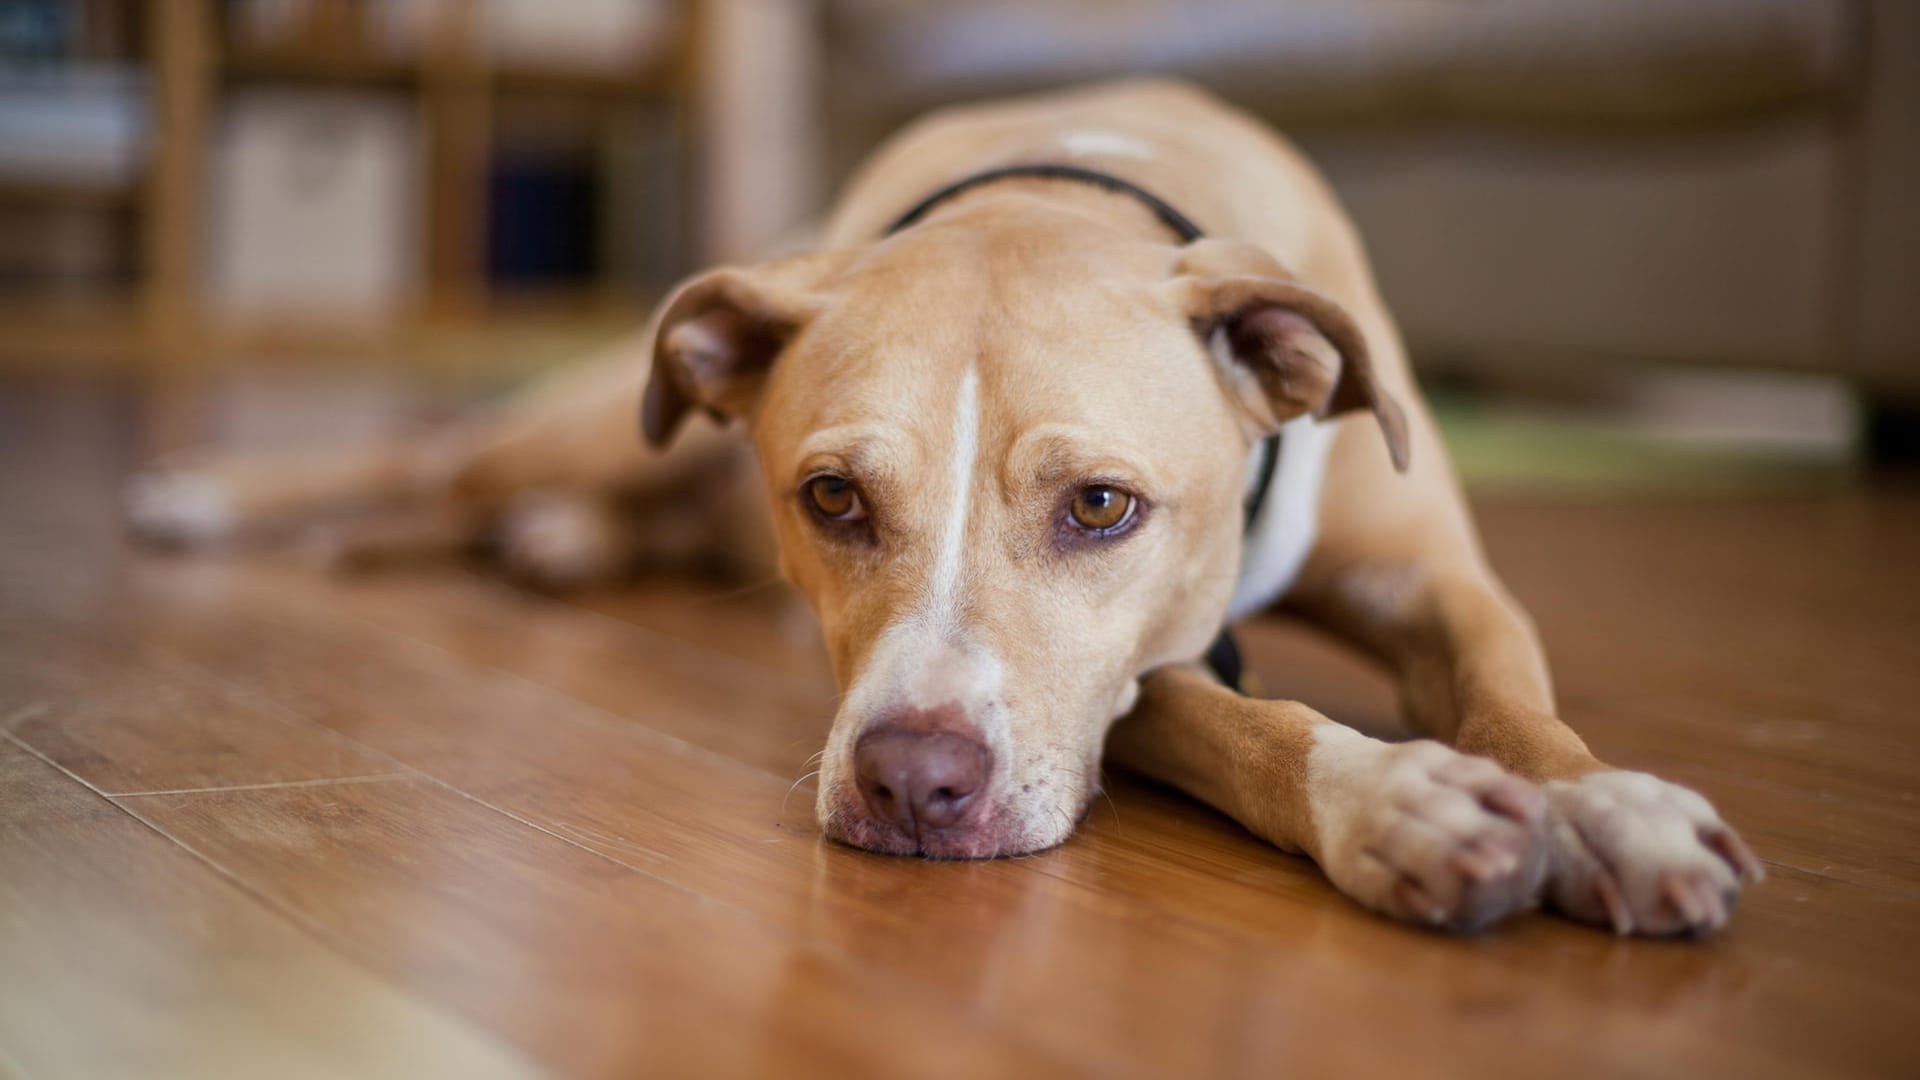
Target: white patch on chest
x,y
1090,143
1280,538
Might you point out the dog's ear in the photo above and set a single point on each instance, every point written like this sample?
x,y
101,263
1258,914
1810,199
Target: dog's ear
x,y
717,335
1291,351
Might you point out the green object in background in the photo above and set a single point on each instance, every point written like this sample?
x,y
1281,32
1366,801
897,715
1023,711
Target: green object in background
x,y
1500,450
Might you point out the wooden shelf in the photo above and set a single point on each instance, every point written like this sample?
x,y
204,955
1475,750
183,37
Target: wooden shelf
x,y
649,76
320,65
657,77
43,193
165,316
103,332
517,333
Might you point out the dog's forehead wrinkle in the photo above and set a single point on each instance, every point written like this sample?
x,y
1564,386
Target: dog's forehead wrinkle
x,y
860,441
1057,451
1017,252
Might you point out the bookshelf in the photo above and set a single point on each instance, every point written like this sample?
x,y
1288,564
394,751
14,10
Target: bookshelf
x,y
462,91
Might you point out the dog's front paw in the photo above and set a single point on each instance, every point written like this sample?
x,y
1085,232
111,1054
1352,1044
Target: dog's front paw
x,y
1637,854
1427,834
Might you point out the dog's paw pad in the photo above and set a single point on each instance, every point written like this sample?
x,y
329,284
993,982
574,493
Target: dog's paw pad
x,y
1429,835
180,507
1638,855
558,540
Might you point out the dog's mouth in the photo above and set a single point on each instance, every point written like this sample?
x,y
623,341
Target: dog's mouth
x,y
999,832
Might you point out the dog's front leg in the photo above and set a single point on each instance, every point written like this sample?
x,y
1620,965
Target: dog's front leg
x,y
1413,830
1629,851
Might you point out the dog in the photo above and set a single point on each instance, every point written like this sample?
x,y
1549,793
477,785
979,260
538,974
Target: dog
x,y
1070,383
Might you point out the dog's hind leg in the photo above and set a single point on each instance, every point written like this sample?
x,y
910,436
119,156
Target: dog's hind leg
x,y
547,538
575,428
570,440
1413,830
408,535
203,498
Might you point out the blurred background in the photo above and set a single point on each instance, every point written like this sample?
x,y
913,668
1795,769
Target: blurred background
x,y
1633,243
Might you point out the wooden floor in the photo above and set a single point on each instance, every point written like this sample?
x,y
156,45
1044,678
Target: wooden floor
x,y
255,822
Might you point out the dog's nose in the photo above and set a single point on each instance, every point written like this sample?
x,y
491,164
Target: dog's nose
x,y
920,780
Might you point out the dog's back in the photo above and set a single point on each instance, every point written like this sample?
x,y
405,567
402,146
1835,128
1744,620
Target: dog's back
x,y
1231,173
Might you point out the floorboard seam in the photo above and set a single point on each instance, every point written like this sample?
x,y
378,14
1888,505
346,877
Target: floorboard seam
x,y
33,710
713,658
853,961
294,918
289,713
609,720
369,778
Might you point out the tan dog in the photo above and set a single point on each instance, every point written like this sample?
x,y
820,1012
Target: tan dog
x,y
1006,451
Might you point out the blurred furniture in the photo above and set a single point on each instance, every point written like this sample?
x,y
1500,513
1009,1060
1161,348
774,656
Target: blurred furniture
x,y
421,97
1542,183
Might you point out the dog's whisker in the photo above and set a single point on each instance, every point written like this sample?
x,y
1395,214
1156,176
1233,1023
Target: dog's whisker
x,y
1101,789
791,788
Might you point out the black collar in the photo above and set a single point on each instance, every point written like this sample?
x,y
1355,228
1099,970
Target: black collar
x,y
1181,225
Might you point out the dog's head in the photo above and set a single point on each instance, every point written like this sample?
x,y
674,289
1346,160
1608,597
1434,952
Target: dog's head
x,y
1006,455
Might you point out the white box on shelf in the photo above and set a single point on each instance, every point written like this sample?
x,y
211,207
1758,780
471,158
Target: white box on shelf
x,y
599,36
314,208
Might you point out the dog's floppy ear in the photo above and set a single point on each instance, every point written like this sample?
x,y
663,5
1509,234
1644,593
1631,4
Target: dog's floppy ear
x,y
717,335
1302,350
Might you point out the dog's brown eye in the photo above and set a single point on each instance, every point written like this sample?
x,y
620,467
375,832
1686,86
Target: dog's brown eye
x,y
835,498
1101,509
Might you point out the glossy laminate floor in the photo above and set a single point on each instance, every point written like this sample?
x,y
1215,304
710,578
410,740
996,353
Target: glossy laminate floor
x,y
255,821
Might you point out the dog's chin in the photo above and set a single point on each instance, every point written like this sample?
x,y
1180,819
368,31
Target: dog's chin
x,y
996,834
